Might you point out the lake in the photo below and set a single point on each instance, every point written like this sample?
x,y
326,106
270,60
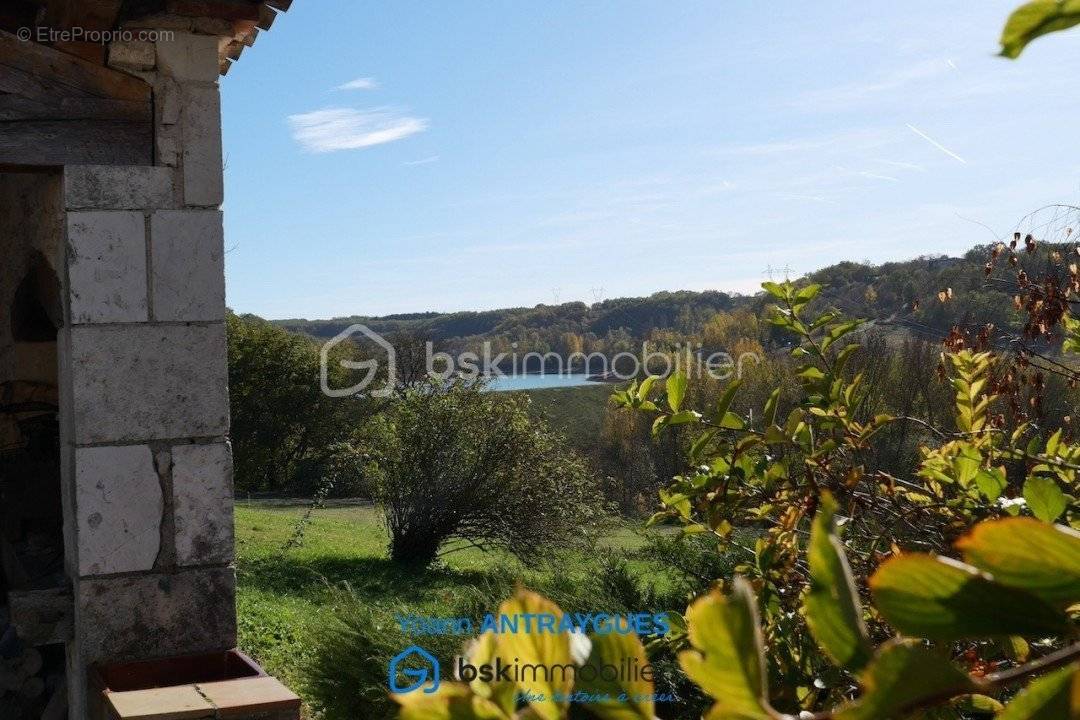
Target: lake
x,y
537,382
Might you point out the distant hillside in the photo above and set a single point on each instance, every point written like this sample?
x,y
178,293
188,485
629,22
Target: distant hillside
x,y
635,317
903,294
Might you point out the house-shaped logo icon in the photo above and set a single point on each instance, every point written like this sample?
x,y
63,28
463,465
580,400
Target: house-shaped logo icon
x,y
429,671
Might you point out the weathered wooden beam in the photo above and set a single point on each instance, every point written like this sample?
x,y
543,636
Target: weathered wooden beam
x,y
89,51
56,109
76,143
61,72
16,108
223,9
267,16
96,14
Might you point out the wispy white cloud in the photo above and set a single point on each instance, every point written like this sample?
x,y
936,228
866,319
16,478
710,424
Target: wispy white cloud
x,y
862,93
808,198
422,161
878,176
334,129
853,140
935,143
364,83
902,165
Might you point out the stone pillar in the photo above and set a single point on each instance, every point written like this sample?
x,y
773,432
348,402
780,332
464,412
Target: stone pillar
x,y
147,466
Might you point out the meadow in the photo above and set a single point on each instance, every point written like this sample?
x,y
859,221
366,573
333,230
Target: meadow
x,y
289,598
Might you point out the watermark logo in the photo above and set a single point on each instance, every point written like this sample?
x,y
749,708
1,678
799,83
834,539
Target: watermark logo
x,y
420,676
50,35
692,360
356,332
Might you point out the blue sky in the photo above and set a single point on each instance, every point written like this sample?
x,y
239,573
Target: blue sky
x,y
496,154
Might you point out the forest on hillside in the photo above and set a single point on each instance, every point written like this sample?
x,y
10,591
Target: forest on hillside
x,y
291,439
902,295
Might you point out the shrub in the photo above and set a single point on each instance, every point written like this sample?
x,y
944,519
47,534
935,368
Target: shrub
x,y
458,467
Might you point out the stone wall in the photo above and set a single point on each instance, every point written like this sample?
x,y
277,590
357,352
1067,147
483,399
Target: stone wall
x,y
144,398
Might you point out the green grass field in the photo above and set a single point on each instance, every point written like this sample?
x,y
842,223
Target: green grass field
x,y
576,412
286,597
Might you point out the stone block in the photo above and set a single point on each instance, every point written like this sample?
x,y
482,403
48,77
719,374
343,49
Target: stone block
x,y
203,504
148,382
188,265
188,57
136,187
167,147
132,55
107,267
119,504
167,101
200,119
134,617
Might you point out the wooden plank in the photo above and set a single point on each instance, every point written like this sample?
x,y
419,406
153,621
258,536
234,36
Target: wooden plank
x,y
56,109
93,142
223,9
234,50
267,16
62,71
94,14
15,107
89,51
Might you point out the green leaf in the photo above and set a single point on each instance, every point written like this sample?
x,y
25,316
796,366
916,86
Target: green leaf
x,y
697,449
1027,554
977,705
1055,696
942,599
838,331
629,699
775,289
676,390
684,417
728,660
452,701
769,414
732,421
1035,19
991,482
808,293
646,387
543,649
901,676
1045,498
483,651
833,610
724,403
1072,334
678,502
843,356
